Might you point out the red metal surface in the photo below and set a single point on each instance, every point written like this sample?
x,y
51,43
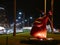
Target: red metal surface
x,y
39,28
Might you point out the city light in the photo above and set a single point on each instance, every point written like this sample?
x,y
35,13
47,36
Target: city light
x,y
25,20
20,13
1,8
22,21
19,17
16,19
42,13
30,17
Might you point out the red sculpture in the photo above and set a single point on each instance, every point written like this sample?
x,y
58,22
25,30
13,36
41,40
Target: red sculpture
x,y
39,27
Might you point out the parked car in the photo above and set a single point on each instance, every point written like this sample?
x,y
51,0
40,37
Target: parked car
x,y
2,30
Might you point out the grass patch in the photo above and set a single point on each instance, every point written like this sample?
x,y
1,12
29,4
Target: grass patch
x,y
23,39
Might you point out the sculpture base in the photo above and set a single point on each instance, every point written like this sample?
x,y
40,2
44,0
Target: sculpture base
x,y
41,39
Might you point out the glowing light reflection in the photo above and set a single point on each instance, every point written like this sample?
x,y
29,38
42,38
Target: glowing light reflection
x,y
41,34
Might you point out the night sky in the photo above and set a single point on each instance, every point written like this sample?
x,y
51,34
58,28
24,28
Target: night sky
x,y
31,8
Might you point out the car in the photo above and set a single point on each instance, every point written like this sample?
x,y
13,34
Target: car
x,y
2,30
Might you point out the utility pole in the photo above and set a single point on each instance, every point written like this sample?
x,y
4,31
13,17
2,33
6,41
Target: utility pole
x,y
14,33
45,7
52,2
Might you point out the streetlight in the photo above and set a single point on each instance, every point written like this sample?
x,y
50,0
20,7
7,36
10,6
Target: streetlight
x,y
19,17
30,17
20,13
16,20
25,20
31,20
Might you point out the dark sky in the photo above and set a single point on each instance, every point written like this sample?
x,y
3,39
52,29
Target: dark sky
x,y
29,4
57,13
31,7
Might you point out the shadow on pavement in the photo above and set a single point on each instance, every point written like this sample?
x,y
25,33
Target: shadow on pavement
x,y
38,42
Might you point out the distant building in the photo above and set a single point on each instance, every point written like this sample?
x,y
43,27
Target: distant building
x,y
3,18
